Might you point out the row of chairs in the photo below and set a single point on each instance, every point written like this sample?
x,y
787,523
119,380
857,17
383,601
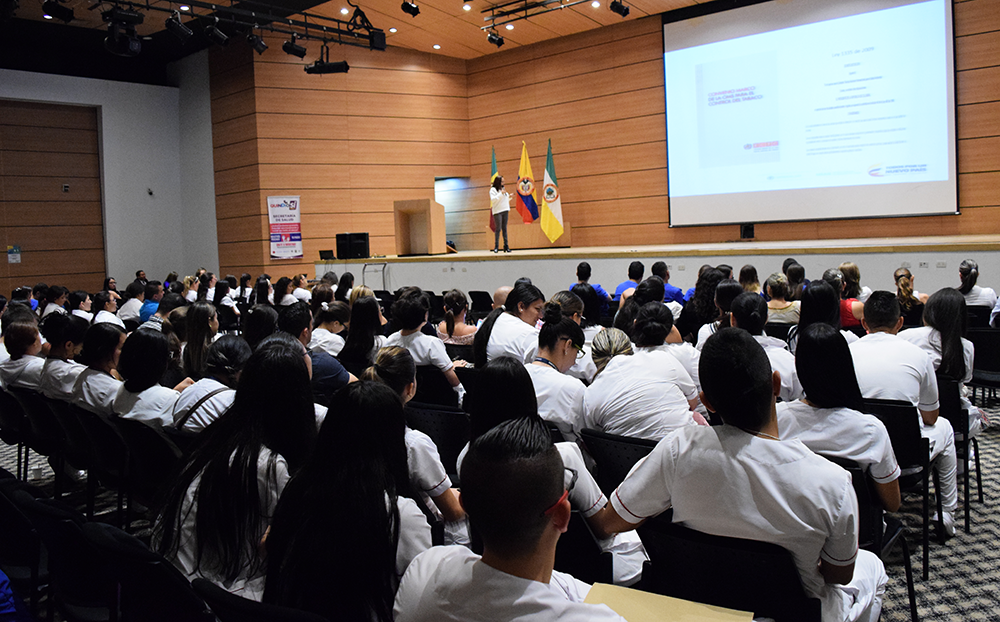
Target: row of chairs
x,y
96,572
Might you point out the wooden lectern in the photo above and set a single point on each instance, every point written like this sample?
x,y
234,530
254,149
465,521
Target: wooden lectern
x,y
419,227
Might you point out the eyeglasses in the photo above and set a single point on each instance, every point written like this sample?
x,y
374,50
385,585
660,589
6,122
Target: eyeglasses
x,y
573,476
579,349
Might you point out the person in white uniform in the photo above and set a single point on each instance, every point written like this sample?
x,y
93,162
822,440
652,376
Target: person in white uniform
x,y
572,308
212,529
749,312
952,355
143,361
510,330
65,334
129,310
330,321
559,396
513,487
743,480
97,386
410,313
975,295
891,368
345,531
106,306
208,399
299,290
648,394
827,418
23,370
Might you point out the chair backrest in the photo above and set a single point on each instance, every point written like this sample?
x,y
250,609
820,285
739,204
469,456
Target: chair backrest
x,y
979,315
20,544
130,325
870,526
76,443
481,302
43,433
579,554
12,418
109,452
433,387
436,313
456,352
987,344
902,422
777,330
726,572
232,608
469,377
950,405
152,457
448,428
152,590
615,455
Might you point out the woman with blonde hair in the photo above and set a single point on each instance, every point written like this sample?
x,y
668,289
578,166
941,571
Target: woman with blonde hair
x,y
911,302
779,309
608,344
749,280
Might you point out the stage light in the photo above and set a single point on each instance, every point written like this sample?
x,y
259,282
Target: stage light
x,y
217,36
178,28
617,7
466,7
257,43
392,30
123,17
294,49
595,4
410,9
52,9
509,26
323,65
122,40
495,39
344,11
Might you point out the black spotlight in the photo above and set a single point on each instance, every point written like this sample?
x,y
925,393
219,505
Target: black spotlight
x,y
125,17
495,39
617,7
217,36
257,43
293,48
178,28
57,11
323,65
410,9
122,40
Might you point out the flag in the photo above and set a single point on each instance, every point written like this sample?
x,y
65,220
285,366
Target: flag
x,y
493,175
527,202
552,220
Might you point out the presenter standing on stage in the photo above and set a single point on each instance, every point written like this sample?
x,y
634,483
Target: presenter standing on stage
x,y
500,207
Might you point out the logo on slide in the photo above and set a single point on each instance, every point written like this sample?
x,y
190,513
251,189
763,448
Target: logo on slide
x,y
876,170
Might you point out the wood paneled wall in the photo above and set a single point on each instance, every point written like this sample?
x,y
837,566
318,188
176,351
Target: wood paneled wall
x,y
351,144
61,234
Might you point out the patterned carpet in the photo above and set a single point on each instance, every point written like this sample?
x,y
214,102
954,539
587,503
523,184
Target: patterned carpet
x,y
964,582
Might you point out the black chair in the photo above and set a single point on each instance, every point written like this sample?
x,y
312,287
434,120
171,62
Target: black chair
x,y
615,456
578,553
979,315
902,422
433,388
481,302
228,320
951,409
447,427
152,460
385,300
80,585
986,366
43,434
77,446
469,377
778,330
150,588
130,325
877,531
109,458
456,352
757,576
436,312
232,608
22,557
12,422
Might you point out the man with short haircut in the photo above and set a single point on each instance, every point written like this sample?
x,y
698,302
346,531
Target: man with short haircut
x,y
891,368
131,308
635,270
328,375
168,303
515,492
671,293
38,294
583,273
152,294
500,295
140,278
741,480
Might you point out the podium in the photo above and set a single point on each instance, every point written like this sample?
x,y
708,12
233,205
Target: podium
x,y
419,227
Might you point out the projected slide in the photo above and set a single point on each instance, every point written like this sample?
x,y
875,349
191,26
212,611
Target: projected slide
x,y
851,102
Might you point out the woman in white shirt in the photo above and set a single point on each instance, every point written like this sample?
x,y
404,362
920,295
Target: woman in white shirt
x,y
106,307
208,399
500,208
282,292
143,361
330,319
725,292
345,529
55,300
975,295
510,330
80,304
559,396
211,528
411,312
23,342
299,290
97,386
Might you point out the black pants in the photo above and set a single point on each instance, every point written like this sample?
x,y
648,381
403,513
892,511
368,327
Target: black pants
x,y
500,224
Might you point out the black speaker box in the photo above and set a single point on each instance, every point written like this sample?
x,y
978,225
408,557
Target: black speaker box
x,y
352,246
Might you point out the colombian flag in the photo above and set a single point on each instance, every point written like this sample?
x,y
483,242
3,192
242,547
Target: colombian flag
x,y
527,203
552,220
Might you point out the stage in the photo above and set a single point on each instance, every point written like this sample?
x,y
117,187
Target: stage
x,y
932,260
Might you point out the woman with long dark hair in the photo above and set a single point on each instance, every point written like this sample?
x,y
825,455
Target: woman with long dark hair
x,y
820,303
364,338
206,400
105,307
202,326
911,302
453,329
219,507
701,309
345,528
725,292
975,295
244,290
344,287
283,293
144,358
510,330
330,320
226,306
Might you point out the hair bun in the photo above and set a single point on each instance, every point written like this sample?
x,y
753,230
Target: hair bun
x,y
553,313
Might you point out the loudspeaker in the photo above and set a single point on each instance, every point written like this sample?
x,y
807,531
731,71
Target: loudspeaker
x,y
352,245
746,231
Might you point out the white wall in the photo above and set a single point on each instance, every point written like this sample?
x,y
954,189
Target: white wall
x,y
141,149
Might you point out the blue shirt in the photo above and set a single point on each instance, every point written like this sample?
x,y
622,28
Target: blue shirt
x,y
622,287
148,309
672,293
688,294
603,295
328,376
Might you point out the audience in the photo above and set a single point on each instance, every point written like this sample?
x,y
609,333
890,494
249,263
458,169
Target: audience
x,y
79,304
635,271
797,281
700,309
749,280
780,308
202,325
208,399
364,337
671,293
410,312
152,294
510,330
97,386
327,374
911,302
128,311
820,303
559,396
330,321
454,329
106,306
65,336
143,361
725,292
975,295
609,344
749,312
23,370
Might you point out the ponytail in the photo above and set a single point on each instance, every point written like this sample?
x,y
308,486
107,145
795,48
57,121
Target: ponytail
x,y
652,325
454,303
969,271
482,338
750,312
393,367
904,289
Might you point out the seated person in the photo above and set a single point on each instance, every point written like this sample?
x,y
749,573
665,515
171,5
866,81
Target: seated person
x,y
97,386
328,374
64,333
23,370
510,330
749,312
330,320
513,488
142,363
206,400
742,480
559,396
410,312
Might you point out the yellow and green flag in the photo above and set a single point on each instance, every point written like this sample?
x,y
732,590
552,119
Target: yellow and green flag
x,y
552,219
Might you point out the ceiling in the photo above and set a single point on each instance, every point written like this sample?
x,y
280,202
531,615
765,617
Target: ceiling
x,y
441,22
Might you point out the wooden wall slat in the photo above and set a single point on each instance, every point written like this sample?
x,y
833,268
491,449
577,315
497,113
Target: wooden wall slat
x,y
234,131
979,155
55,237
976,51
301,126
975,17
49,189
34,114
978,120
235,80
237,180
233,106
303,101
278,75
325,102
978,189
27,214
38,264
238,204
978,85
236,155
50,164
246,228
23,138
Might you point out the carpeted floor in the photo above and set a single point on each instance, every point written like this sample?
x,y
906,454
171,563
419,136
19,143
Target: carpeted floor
x,y
964,582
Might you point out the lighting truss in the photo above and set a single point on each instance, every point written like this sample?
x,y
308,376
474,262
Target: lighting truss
x,y
516,10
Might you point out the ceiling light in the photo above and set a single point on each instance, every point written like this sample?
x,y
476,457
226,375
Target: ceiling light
x,y
344,11
495,39
509,26
617,7
294,49
436,46
466,7
323,65
122,40
47,16
257,43
52,9
217,36
392,30
410,9
595,4
185,7
178,28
